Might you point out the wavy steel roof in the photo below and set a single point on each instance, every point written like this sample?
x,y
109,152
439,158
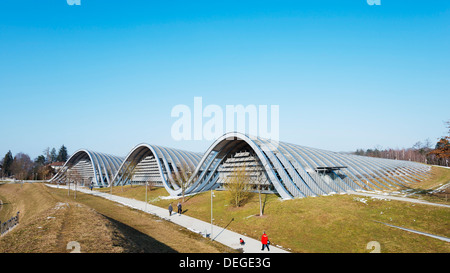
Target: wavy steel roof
x,y
293,170
103,166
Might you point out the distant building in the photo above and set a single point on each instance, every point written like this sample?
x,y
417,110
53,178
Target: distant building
x,y
57,165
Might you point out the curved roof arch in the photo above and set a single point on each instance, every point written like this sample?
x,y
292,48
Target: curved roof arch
x,y
299,171
172,165
98,168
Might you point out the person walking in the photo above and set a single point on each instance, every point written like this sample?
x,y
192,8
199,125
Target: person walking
x,y
265,241
179,208
170,209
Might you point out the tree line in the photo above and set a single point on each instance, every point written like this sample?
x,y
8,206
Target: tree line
x,y
23,168
424,152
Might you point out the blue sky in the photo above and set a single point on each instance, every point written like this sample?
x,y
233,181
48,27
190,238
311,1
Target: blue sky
x,y
105,75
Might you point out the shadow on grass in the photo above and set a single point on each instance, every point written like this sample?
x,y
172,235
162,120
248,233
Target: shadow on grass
x,y
264,203
223,229
134,241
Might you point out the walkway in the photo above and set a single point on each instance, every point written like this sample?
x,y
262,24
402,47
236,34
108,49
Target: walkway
x,y
221,235
442,238
398,198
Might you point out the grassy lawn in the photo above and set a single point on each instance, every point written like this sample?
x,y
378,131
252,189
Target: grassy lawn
x,y
49,219
424,190
326,224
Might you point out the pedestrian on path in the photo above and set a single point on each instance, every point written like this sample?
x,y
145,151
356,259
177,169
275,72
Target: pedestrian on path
x,y
170,209
179,208
241,241
265,241
91,185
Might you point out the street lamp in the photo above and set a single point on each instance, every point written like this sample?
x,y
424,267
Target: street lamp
x,y
212,195
110,186
146,183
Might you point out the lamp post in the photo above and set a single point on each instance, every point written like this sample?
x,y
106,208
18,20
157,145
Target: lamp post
x,y
212,195
111,184
146,183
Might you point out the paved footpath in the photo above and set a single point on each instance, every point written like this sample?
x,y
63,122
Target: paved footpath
x,y
219,234
398,198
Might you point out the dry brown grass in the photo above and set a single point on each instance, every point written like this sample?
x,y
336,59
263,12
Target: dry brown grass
x,y
50,220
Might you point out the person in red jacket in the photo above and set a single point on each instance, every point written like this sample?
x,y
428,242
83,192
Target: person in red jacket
x,y
265,241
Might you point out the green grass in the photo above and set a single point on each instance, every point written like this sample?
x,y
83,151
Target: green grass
x,y
425,189
326,224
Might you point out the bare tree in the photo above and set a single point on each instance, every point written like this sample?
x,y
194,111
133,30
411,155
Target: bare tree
x,y
75,177
237,183
181,178
21,166
258,181
46,172
47,155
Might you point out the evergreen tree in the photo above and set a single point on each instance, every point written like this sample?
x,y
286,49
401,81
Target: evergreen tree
x,y
53,155
40,160
62,155
7,162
